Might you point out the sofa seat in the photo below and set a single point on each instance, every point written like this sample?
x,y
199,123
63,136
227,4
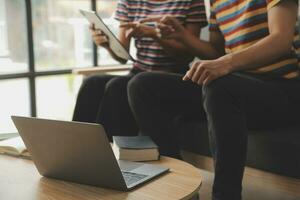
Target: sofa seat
x,y
276,151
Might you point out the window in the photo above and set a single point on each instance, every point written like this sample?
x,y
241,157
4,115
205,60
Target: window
x,y
14,102
61,35
13,40
56,96
41,41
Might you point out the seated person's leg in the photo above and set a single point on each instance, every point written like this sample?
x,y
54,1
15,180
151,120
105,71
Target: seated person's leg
x,y
234,104
156,99
114,113
89,98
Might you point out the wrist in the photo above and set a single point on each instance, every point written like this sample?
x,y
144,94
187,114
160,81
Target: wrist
x,y
107,47
229,63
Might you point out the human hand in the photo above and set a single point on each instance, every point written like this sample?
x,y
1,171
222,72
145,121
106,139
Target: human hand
x,y
139,30
203,72
169,27
99,37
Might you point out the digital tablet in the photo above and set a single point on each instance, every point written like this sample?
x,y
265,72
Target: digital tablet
x,y
114,43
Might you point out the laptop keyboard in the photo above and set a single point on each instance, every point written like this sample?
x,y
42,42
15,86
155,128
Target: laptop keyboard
x,y
131,178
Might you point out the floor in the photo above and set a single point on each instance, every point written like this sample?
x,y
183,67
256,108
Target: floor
x,y
258,185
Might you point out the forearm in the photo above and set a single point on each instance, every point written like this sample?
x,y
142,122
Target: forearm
x,y
202,49
260,54
279,42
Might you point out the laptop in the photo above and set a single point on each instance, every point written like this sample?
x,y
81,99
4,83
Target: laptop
x,y
114,43
81,153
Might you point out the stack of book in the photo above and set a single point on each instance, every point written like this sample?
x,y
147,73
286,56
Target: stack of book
x,y
137,148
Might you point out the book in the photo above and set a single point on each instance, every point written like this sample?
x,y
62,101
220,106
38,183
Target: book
x,y
135,148
14,146
4,136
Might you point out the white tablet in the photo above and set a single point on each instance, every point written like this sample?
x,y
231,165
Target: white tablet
x,y
114,43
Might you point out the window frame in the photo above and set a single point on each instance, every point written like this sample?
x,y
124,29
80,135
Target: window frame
x,y
32,74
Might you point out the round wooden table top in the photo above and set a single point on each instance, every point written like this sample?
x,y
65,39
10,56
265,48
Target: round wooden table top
x,y
20,180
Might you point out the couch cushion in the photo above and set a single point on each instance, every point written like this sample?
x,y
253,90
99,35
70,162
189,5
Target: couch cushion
x,y
276,151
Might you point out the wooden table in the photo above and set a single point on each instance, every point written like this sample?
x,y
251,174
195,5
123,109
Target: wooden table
x,y
19,180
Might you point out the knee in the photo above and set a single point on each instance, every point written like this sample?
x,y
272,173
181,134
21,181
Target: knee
x,y
215,94
92,82
116,86
88,81
138,84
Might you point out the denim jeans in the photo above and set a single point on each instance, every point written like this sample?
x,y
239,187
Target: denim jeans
x,y
103,99
231,105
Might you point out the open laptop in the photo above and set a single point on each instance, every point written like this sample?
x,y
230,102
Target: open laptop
x,y
81,153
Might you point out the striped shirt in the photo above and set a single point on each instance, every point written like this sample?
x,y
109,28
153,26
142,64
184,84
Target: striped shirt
x,y
150,54
245,22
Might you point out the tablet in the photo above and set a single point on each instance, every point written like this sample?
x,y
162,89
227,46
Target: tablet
x,y
114,43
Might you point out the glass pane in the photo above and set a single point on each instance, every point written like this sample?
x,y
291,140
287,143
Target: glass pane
x,y
13,37
56,96
106,9
61,35
14,101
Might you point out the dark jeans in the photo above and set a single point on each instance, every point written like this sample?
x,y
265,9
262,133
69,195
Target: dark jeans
x,y
231,104
103,99
156,99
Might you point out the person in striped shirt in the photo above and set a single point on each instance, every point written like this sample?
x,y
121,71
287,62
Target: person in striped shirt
x,y
103,98
248,80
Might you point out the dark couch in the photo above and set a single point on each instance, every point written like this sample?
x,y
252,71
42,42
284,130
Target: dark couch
x,y
276,151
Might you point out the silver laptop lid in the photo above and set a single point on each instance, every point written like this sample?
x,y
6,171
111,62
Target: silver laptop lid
x,y
71,151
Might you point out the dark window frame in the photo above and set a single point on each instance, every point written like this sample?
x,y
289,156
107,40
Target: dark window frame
x,y
32,74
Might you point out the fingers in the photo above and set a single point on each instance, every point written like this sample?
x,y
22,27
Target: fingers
x,y
132,29
197,74
208,80
205,71
189,73
129,25
96,33
165,30
99,37
172,22
100,40
204,75
151,19
130,33
185,77
192,71
92,27
134,33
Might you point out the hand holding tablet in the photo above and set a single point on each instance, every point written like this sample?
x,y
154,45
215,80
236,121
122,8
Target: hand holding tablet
x,y
144,29
113,42
99,37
